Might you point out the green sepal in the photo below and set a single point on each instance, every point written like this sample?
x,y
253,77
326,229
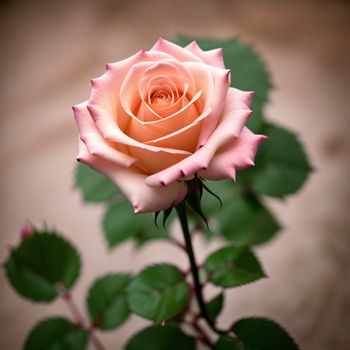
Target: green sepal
x,y
212,193
194,197
166,214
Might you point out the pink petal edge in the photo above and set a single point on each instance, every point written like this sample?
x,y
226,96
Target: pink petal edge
x,y
236,155
212,57
142,197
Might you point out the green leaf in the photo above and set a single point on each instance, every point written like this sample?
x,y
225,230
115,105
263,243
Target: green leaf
x,y
225,342
248,72
107,301
169,337
56,334
158,292
233,266
245,220
120,224
263,334
94,186
150,233
215,305
281,164
40,263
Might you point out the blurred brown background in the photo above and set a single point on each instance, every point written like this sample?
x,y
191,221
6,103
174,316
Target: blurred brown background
x,y
49,50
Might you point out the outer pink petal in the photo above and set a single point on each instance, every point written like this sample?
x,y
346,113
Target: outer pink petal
x,y
176,51
211,57
237,154
221,84
142,197
94,142
234,116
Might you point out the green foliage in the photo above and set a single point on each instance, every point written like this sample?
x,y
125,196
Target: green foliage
x,y
248,72
107,301
233,266
39,263
94,186
169,337
281,164
56,334
263,334
243,219
120,224
246,221
215,306
225,342
117,224
158,292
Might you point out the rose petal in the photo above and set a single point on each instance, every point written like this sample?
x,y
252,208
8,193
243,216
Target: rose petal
x,y
234,117
152,162
106,88
180,91
176,51
180,120
211,57
185,137
95,143
237,154
114,134
221,86
142,197
129,91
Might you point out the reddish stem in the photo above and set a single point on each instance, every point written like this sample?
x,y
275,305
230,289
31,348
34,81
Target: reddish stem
x,y
77,315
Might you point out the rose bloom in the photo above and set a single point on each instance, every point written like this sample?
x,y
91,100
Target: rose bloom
x,y
161,117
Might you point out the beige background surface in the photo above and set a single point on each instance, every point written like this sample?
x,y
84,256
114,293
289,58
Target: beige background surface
x,y
49,51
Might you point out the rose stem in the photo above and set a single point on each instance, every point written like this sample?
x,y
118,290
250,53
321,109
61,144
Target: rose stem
x,y
79,319
182,214
178,244
203,337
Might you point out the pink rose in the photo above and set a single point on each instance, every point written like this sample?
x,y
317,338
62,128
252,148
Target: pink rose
x,y
162,116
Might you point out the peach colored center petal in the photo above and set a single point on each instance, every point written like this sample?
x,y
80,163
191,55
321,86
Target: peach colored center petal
x,y
162,102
